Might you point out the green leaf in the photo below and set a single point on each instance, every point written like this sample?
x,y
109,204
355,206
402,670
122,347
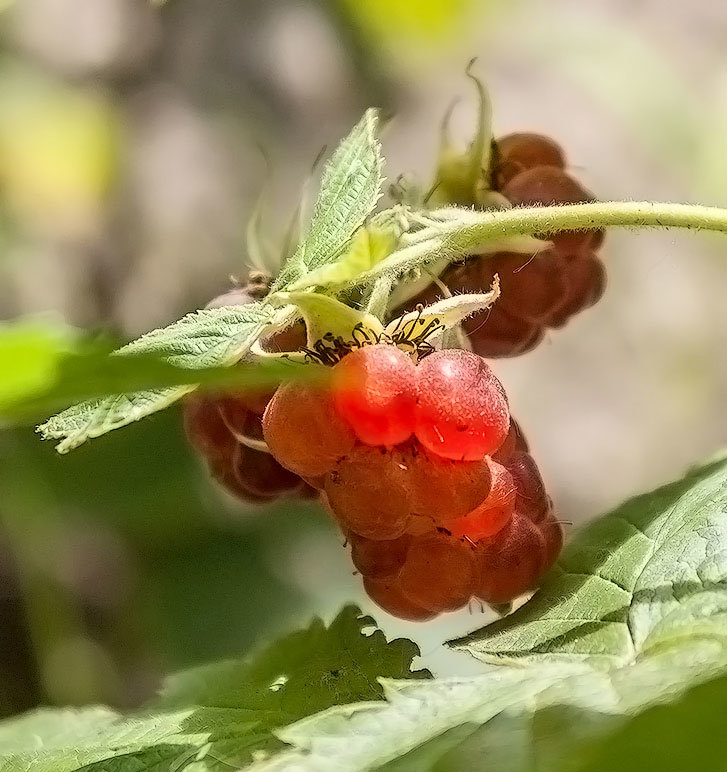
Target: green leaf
x,y
369,246
218,716
211,338
637,580
350,188
634,616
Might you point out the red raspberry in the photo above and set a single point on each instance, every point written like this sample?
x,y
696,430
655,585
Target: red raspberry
x,y
374,390
462,410
440,573
511,562
388,595
442,489
494,512
368,494
532,499
304,431
514,441
517,152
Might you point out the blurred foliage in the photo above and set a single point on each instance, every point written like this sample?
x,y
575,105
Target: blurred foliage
x,y
59,146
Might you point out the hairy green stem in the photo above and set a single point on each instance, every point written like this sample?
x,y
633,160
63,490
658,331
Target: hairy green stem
x,y
455,239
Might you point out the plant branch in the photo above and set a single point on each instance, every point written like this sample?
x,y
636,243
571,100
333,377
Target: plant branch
x,y
463,236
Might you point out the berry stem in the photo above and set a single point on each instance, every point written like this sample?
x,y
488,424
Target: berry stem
x,y
465,234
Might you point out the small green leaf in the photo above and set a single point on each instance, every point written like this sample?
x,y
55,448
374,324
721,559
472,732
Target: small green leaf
x,y
212,338
350,188
369,246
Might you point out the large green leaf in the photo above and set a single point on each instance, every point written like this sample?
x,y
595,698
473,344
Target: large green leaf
x,y
640,579
350,188
211,338
220,716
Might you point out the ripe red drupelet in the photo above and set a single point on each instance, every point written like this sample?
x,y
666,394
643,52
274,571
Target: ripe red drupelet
x,y
375,391
462,410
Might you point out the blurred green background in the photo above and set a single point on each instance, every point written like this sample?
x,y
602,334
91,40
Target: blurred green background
x,y
130,137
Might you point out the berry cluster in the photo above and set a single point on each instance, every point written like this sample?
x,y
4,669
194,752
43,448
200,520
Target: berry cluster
x,y
538,292
426,474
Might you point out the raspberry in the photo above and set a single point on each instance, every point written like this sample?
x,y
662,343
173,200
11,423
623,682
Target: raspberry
x,y
493,513
249,474
304,431
524,150
439,574
532,288
442,489
585,278
261,475
553,535
388,595
532,499
377,559
549,185
205,428
462,410
368,494
374,390
511,562
237,296
514,441
495,333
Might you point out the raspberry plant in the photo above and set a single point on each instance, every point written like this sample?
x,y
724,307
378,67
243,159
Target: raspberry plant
x,y
356,375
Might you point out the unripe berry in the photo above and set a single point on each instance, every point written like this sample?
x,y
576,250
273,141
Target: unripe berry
x,y
388,595
304,431
511,562
462,410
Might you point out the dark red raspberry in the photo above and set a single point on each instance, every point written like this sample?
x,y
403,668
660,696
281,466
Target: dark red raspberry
x,y
517,152
494,512
440,573
249,474
511,562
548,186
378,559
